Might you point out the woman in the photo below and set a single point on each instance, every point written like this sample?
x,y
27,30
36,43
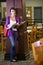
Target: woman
x,y
11,21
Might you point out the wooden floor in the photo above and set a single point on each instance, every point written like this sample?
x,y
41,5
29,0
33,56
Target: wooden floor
x,y
30,61
20,62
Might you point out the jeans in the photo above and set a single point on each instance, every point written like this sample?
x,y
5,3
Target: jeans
x,y
13,42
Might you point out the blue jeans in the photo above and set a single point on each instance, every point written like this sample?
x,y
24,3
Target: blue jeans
x,y
13,42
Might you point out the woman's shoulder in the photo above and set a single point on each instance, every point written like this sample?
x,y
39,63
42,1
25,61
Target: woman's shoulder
x,y
7,18
17,17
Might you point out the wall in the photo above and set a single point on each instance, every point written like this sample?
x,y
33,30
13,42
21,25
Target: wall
x,y
34,3
9,4
13,3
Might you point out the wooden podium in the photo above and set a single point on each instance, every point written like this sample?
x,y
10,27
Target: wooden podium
x,y
19,45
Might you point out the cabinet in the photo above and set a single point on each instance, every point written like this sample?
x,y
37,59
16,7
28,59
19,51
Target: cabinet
x,y
29,15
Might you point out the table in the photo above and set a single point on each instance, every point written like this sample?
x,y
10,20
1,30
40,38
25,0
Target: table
x,y
28,31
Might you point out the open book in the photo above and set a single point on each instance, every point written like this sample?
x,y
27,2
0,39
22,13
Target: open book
x,y
16,25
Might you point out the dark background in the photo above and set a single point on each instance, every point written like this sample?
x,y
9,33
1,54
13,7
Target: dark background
x,y
2,0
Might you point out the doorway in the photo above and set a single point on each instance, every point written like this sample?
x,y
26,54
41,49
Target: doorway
x,y
37,14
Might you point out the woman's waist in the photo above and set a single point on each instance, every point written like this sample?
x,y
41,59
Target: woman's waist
x,y
10,30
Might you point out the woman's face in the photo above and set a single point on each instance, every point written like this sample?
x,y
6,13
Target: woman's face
x,y
13,12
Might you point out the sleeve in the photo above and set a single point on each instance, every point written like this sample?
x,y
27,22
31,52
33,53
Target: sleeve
x,y
7,23
18,20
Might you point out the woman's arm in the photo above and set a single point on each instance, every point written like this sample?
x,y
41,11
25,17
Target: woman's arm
x,y
7,23
10,25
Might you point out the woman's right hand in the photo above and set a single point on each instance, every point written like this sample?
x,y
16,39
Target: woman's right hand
x,y
9,26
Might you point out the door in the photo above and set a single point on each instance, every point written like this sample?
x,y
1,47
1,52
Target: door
x,y
37,14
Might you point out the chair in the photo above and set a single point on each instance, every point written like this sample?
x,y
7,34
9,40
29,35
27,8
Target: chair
x,y
31,36
39,32
29,40
33,33
42,30
37,49
2,38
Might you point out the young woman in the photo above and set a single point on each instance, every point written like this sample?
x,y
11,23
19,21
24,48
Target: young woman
x,y
11,21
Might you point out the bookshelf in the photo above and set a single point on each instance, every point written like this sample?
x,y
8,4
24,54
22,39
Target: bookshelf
x,y
29,15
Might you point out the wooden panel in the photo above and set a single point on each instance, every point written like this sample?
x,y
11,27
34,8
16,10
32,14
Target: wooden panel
x,y
21,38
19,12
